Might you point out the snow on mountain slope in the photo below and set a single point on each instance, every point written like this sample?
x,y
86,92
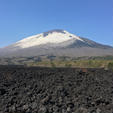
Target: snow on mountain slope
x,y
58,43
54,36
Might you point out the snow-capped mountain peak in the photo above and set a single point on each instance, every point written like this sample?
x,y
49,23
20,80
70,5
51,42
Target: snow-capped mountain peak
x,y
58,43
54,36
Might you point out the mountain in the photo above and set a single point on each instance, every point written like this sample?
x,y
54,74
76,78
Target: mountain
x,y
56,42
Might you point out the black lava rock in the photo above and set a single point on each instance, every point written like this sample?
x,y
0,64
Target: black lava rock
x,y
55,90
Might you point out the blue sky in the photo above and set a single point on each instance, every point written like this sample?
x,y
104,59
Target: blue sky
x,y
92,19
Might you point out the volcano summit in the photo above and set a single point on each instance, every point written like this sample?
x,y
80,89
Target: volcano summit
x,y
56,42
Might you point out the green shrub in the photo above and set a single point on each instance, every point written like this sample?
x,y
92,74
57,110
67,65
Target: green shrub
x,y
110,65
53,64
68,65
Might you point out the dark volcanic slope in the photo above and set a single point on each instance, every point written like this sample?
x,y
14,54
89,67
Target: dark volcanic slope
x,y
44,90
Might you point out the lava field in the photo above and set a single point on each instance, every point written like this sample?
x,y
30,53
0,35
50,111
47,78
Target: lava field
x,y
55,90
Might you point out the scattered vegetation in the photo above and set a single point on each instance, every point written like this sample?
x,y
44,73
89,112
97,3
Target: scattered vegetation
x,y
62,61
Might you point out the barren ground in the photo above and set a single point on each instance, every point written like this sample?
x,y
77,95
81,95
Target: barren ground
x,y
55,90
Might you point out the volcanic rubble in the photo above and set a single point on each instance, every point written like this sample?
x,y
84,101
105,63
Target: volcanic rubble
x,y
55,90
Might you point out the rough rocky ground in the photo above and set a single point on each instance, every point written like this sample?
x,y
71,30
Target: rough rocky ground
x,y
59,90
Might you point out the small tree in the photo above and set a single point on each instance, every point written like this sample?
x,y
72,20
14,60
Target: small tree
x,y
63,58
90,63
110,65
39,59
